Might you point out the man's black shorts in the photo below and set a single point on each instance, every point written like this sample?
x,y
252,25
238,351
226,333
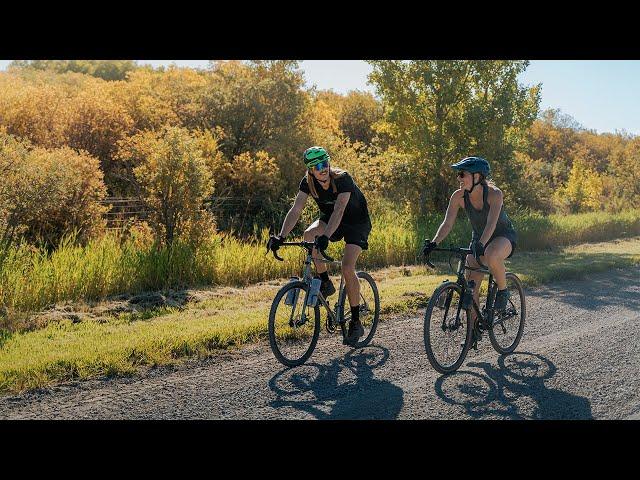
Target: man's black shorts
x,y
356,234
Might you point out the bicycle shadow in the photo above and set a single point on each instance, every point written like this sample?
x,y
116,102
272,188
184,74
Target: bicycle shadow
x,y
515,390
344,389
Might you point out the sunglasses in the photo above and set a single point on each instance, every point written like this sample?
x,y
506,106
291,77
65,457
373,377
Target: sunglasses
x,y
320,166
461,173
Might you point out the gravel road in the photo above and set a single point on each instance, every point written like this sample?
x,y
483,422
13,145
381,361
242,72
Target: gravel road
x,y
579,359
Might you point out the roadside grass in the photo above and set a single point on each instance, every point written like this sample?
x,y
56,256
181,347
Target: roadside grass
x,y
65,351
32,279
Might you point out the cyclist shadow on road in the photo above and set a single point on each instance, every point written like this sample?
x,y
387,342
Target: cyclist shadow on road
x,y
343,389
514,390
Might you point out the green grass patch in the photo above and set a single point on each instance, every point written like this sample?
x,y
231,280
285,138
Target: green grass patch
x,y
65,350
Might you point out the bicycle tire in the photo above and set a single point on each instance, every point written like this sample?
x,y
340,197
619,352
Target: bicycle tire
x,y
273,339
342,300
428,318
523,312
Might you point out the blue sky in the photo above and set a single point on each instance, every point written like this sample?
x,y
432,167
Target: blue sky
x,y
602,95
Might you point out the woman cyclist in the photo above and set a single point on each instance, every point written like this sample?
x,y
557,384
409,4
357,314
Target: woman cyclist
x,y
493,239
343,215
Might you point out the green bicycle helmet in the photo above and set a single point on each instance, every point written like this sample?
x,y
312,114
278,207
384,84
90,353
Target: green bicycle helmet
x,y
314,155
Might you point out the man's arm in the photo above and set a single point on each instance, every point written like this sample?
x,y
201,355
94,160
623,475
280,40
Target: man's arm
x,y
294,214
338,211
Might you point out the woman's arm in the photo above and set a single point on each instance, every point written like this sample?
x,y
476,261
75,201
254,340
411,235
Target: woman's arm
x,y
449,218
294,214
494,198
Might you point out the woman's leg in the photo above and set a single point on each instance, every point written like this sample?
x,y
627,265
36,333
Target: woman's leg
x,y
477,277
494,256
315,230
352,285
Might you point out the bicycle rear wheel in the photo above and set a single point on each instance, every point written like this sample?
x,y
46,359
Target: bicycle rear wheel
x,y
369,307
294,327
447,335
508,327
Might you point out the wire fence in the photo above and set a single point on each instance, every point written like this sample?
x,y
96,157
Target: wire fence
x,y
232,213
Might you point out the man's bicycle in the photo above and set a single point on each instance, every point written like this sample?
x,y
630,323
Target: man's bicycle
x,y
448,330
294,319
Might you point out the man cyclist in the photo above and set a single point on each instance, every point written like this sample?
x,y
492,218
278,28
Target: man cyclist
x,y
343,215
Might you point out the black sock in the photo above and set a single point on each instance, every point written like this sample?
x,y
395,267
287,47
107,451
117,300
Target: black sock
x,y
324,276
355,313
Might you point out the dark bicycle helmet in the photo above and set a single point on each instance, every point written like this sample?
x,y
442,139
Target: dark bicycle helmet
x,y
473,165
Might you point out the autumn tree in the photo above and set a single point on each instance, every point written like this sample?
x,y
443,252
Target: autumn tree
x,y
260,106
173,179
156,98
360,112
48,193
441,111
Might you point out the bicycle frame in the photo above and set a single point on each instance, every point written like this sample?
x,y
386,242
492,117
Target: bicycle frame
x,y
462,281
307,276
488,319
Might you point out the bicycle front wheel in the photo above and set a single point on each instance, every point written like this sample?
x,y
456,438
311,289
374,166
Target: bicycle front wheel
x,y
447,329
508,327
294,327
369,310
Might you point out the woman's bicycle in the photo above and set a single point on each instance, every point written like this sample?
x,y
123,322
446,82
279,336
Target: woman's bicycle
x,y
448,331
294,319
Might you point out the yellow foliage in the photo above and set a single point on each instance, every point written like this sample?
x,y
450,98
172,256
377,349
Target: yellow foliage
x,y
249,175
47,193
173,178
154,99
35,112
584,191
96,122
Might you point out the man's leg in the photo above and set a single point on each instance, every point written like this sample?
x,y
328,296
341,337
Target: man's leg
x,y
315,230
352,285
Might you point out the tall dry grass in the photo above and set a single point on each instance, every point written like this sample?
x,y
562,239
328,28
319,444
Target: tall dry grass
x,y
31,279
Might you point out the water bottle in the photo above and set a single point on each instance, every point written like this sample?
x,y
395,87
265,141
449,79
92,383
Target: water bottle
x,y
467,298
313,292
292,295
